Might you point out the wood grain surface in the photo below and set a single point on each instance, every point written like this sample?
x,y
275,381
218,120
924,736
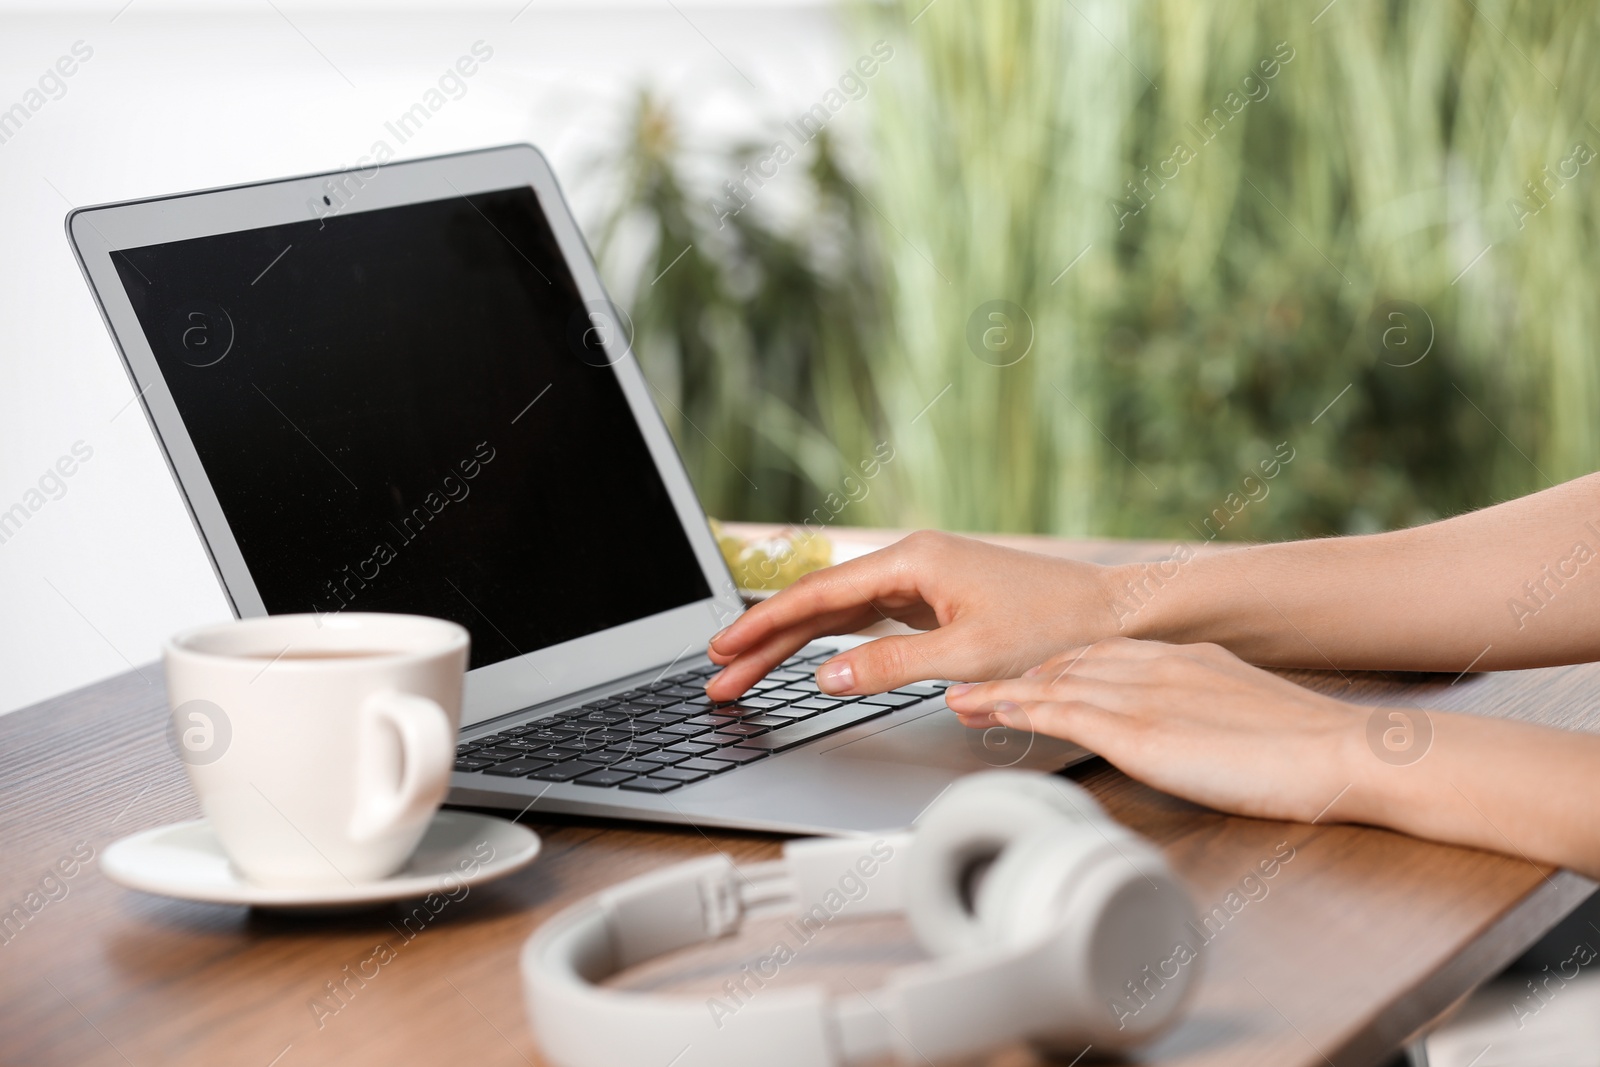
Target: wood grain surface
x,y
1362,938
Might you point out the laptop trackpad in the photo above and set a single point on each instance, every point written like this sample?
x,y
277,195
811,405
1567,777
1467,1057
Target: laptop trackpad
x,y
937,739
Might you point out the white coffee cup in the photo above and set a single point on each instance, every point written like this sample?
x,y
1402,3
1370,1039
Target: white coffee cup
x,y
319,746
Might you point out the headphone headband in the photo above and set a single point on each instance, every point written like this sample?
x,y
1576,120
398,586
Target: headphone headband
x,y
1102,901
581,1023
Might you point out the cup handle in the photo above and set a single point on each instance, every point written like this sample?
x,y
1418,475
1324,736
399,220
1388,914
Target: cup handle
x,y
400,782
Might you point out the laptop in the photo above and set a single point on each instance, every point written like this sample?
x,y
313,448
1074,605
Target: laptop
x,y
404,389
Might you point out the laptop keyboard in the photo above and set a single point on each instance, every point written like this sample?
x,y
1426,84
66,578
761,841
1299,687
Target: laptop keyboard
x,y
668,734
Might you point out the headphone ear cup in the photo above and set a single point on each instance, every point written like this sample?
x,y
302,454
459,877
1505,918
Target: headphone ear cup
x,y
971,825
1023,893
1114,916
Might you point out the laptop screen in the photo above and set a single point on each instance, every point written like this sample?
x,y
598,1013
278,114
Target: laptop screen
x,y
406,410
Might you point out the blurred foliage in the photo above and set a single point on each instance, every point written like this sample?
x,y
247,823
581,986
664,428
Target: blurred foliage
x,y
736,321
1371,271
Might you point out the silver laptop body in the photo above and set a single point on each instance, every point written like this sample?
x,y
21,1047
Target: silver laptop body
x,y
402,388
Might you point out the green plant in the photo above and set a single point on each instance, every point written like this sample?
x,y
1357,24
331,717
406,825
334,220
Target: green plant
x,y
736,321
1185,313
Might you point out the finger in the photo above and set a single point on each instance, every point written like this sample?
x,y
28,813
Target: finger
x,y
1110,683
1082,722
845,620
740,672
894,661
854,583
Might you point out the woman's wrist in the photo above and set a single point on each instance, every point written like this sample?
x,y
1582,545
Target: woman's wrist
x,y
1175,599
1378,756
1477,781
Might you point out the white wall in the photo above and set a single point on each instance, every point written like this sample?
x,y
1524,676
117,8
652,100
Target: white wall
x,y
180,97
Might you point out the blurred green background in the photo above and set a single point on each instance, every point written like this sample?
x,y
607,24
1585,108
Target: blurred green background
x,y
1197,269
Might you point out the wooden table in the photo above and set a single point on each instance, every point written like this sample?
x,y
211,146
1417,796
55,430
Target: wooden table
x,y
1362,938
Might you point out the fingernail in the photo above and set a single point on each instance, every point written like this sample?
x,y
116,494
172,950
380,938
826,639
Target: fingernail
x,y
718,635
960,690
1006,713
714,679
835,677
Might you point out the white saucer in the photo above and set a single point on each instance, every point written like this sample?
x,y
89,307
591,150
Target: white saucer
x,y
186,861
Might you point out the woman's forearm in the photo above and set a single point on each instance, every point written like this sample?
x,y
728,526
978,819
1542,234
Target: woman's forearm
x,y
1515,585
1505,786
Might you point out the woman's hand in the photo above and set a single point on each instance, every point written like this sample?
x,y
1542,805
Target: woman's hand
x,y
990,613
1193,720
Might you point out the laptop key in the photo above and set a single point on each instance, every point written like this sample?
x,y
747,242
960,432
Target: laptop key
x,y
654,698
712,720
770,721
717,737
650,785
631,748
564,772
820,726
605,755
678,774
683,691
741,711
609,736
735,755
742,729
690,748
603,718
666,757
637,766
605,778
659,738
660,718
702,764
786,694
498,755
817,704
892,700
633,727
520,768
685,729
759,703
466,763
548,733
921,689
583,743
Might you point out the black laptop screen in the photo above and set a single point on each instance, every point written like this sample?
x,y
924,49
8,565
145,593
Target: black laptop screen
x,y
404,410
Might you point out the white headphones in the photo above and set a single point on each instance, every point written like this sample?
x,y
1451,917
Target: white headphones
x,y
1046,920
